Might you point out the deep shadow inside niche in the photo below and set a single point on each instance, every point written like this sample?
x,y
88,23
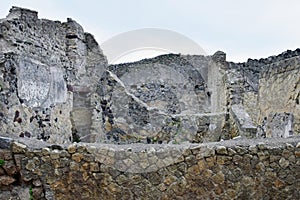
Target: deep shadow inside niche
x,y
75,136
18,179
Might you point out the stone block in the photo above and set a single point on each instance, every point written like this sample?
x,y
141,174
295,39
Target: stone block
x,y
6,180
244,122
10,168
18,147
280,125
5,142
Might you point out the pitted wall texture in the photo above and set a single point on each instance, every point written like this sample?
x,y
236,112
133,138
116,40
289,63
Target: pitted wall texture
x,y
142,121
56,86
44,65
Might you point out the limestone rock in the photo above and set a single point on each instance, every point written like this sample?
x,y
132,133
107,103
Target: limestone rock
x,y
18,147
56,86
6,180
41,61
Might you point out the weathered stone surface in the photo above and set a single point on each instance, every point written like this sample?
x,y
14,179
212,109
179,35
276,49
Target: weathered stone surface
x,y
73,95
55,86
77,157
281,104
10,168
226,169
283,163
47,88
244,122
72,148
6,180
221,150
5,142
43,63
18,147
166,101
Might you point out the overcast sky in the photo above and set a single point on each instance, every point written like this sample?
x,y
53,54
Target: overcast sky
x,y
242,29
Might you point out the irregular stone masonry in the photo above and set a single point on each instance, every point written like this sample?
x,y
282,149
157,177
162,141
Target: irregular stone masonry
x,y
56,87
279,85
236,169
266,88
167,101
46,69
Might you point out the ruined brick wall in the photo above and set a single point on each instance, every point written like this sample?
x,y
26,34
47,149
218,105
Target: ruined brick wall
x,y
236,169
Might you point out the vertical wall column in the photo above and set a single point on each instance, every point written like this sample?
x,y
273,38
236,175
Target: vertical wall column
x,y
81,114
216,87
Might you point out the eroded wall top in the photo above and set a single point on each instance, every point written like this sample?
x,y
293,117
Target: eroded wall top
x,y
44,66
56,85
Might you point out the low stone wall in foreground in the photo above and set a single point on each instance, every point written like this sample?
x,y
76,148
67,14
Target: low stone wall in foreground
x,y
233,169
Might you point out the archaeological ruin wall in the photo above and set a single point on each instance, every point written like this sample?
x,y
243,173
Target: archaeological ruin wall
x,y
164,99
266,91
56,86
71,125
233,169
47,68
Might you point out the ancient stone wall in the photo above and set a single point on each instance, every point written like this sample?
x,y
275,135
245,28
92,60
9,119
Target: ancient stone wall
x,y
56,88
55,85
267,91
279,95
46,69
163,99
236,169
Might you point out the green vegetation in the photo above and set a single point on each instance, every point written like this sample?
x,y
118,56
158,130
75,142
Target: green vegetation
x,y
2,162
175,142
30,193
